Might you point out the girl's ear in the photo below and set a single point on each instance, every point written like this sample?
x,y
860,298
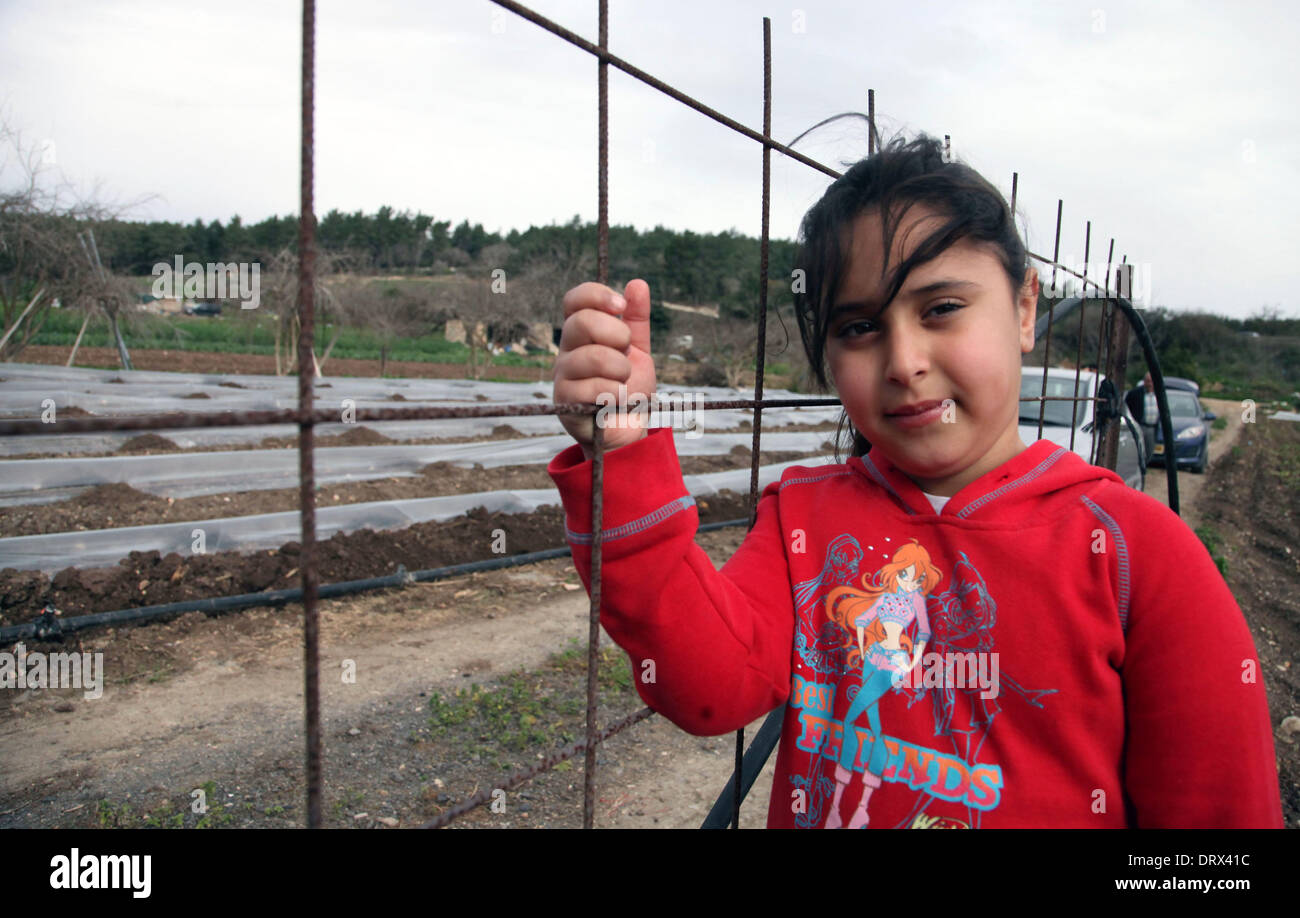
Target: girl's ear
x,y
1027,309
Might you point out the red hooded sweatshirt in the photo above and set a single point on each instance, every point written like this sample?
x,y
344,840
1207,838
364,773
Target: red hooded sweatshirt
x,y
1052,649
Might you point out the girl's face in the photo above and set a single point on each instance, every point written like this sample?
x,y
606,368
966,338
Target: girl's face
x,y
950,342
907,579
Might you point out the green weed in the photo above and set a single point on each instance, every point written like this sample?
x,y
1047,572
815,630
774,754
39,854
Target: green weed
x,y
1209,537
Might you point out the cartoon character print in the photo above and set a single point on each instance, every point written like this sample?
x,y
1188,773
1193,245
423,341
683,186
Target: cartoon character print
x,y
878,616
882,627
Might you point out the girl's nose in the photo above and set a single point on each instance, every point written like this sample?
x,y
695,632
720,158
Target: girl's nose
x,y
908,356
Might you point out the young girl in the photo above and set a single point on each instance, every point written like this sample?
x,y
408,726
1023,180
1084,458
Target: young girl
x,y
1037,645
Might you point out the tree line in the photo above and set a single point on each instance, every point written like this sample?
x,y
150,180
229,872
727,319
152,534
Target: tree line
x,y
685,266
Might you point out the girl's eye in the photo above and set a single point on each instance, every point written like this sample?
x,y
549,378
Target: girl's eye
x,y
854,329
867,326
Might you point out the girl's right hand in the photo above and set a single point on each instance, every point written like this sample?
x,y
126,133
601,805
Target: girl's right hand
x,y
605,342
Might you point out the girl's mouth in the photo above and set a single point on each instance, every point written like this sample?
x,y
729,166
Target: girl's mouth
x,y
918,415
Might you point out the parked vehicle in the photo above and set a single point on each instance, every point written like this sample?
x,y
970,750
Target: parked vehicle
x,y
1062,417
203,309
1191,423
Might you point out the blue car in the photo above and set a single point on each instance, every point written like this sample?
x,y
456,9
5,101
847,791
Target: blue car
x,y
1191,423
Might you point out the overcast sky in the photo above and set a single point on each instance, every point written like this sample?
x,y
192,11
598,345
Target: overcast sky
x,y
1171,126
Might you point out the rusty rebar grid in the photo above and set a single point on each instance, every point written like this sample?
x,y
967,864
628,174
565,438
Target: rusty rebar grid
x,y
306,417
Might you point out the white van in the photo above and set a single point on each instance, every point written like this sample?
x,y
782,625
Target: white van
x,y
1062,418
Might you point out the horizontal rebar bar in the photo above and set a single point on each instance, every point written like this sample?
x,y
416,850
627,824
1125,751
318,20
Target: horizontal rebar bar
x,y
1062,268
575,39
527,774
181,420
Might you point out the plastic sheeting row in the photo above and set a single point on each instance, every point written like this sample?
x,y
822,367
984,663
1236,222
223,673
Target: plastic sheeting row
x,y
105,547
35,481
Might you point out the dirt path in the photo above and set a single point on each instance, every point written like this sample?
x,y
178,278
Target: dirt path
x,y
1189,483
217,703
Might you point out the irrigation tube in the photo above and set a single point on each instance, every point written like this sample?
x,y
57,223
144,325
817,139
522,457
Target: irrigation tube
x,y
49,627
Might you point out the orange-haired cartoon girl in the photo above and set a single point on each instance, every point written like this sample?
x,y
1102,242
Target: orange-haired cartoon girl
x,y
879,615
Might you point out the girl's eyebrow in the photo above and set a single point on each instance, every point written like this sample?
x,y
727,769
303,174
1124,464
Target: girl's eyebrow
x,y
937,286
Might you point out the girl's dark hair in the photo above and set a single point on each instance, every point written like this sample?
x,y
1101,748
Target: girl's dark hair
x,y
903,173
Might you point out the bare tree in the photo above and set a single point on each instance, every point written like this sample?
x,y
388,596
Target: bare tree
x,y
386,310
279,294
44,231
539,290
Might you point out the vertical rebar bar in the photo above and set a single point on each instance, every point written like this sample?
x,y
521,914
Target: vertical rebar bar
x,y
1109,312
871,122
1051,315
602,152
593,618
1103,346
1078,354
1110,258
598,441
306,471
1095,453
1115,367
1112,307
760,352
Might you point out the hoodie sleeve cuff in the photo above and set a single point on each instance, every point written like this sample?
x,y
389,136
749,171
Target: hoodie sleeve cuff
x,y
642,486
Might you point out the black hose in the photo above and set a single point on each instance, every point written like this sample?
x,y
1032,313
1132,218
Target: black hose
x,y
1162,403
49,628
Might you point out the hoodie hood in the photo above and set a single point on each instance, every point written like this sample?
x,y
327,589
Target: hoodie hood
x,y
1037,482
